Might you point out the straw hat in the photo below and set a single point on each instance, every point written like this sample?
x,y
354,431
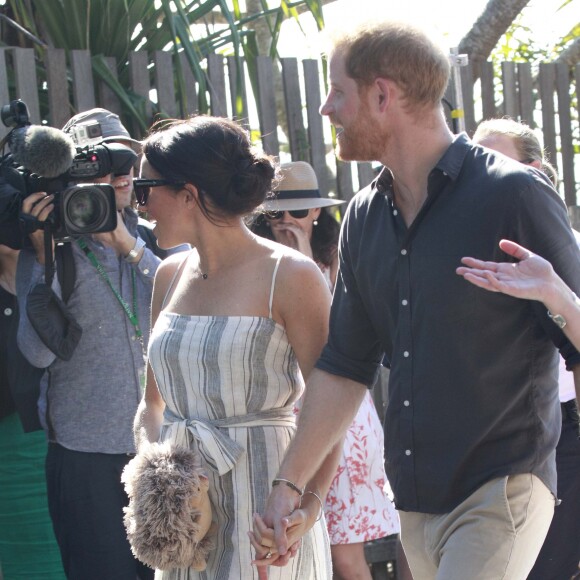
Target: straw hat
x,y
298,189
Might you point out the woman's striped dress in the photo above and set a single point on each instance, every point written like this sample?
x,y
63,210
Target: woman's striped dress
x,y
230,384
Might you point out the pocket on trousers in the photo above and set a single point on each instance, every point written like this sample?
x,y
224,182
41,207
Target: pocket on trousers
x,y
517,494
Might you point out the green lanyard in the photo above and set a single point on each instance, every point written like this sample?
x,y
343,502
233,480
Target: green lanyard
x,y
131,314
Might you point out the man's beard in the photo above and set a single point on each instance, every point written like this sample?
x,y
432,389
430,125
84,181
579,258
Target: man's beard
x,y
361,141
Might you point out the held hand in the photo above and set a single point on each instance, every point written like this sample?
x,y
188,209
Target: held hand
x,y
262,539
532,277
40,206
281,503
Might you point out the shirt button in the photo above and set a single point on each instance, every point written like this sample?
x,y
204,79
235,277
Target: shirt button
x,y
406,354
404,302
146,271
395,212
407,452
404,252
7,311
406,403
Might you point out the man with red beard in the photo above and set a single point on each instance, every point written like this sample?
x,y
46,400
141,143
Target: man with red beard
x,y
92,397
473,416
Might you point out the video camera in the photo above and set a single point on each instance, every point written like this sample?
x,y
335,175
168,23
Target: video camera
x,y
46,159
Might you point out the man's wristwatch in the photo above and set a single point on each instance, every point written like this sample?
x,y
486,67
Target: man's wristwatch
x,y
133,255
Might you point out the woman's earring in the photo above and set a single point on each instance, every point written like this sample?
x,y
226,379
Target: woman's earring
x,y
315,223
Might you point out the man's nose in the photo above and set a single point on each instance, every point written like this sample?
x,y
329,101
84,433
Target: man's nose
x,y
326,108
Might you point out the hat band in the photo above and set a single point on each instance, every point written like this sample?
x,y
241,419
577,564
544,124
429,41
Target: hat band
x,y
298,194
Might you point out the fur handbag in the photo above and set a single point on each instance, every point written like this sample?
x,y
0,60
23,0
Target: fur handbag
x,y
169,513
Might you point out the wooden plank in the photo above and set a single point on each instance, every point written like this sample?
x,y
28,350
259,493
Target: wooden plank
x,y
466,73
344,180
4,92
267,106
566,140
217,85
238,93
365,174
487,91
299,148
57,86
510,91
191,106
139,78
526,93
107,98
82,76
574,213
547,83
577,82
315,124
25,79
164,83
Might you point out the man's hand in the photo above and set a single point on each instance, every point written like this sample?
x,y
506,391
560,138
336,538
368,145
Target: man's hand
x,y
40,206
119,239
281,503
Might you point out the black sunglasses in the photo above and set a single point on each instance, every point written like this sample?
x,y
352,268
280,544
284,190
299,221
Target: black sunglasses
x,y
143,187
295,213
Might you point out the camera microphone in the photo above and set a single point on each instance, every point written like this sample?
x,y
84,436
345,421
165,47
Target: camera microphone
x,y
46,151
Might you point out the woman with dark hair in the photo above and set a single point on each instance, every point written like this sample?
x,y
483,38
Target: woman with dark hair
x,y
357,507
237,325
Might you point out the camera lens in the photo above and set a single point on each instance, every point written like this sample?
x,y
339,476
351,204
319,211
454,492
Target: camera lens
x,y
85,210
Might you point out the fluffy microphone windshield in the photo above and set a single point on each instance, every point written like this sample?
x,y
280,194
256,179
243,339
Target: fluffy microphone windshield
x,y
45,151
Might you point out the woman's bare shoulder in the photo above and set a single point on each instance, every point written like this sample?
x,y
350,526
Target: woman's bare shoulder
x,y
291,261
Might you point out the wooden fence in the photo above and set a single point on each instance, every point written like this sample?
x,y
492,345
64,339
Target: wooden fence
x,y
57,89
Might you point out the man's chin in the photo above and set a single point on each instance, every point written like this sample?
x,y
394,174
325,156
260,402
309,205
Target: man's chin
x,y
344,154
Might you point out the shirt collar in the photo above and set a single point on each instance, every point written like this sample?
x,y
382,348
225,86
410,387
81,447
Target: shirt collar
x,y
452,161
450,164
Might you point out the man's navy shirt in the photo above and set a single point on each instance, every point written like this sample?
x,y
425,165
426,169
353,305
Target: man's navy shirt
x,y
473,384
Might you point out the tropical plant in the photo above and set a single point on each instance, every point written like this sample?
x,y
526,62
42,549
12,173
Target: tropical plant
x,y
113,28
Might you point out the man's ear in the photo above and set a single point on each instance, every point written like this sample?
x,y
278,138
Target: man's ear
x,y
536,163
384,88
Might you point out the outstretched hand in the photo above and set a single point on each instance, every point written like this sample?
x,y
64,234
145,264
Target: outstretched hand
x,y
530,278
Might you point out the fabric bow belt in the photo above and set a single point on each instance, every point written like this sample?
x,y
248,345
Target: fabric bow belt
x,y
220,451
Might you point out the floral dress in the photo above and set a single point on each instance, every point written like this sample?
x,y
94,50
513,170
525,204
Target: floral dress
x,y
358,507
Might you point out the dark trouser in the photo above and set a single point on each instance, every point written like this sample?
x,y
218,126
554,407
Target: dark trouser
x,y
86,500
560,554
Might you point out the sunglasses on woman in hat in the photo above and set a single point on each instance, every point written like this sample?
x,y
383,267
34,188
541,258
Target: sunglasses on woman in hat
x,y
295,216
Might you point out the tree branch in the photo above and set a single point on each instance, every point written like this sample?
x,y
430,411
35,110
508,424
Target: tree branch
x,y
491,25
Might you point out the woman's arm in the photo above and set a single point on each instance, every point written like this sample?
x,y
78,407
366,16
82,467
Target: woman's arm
x,y
149,417
302,300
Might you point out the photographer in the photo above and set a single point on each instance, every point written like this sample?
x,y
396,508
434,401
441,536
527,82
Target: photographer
x,y
92,398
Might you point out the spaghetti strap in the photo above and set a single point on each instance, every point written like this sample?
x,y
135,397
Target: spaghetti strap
x,y
174,278
273,285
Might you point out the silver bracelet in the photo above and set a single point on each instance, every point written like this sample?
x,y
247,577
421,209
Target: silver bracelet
x,y
319,501
288,483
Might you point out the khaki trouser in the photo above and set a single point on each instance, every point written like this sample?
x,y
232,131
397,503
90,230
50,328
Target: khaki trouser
x,y
496,533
